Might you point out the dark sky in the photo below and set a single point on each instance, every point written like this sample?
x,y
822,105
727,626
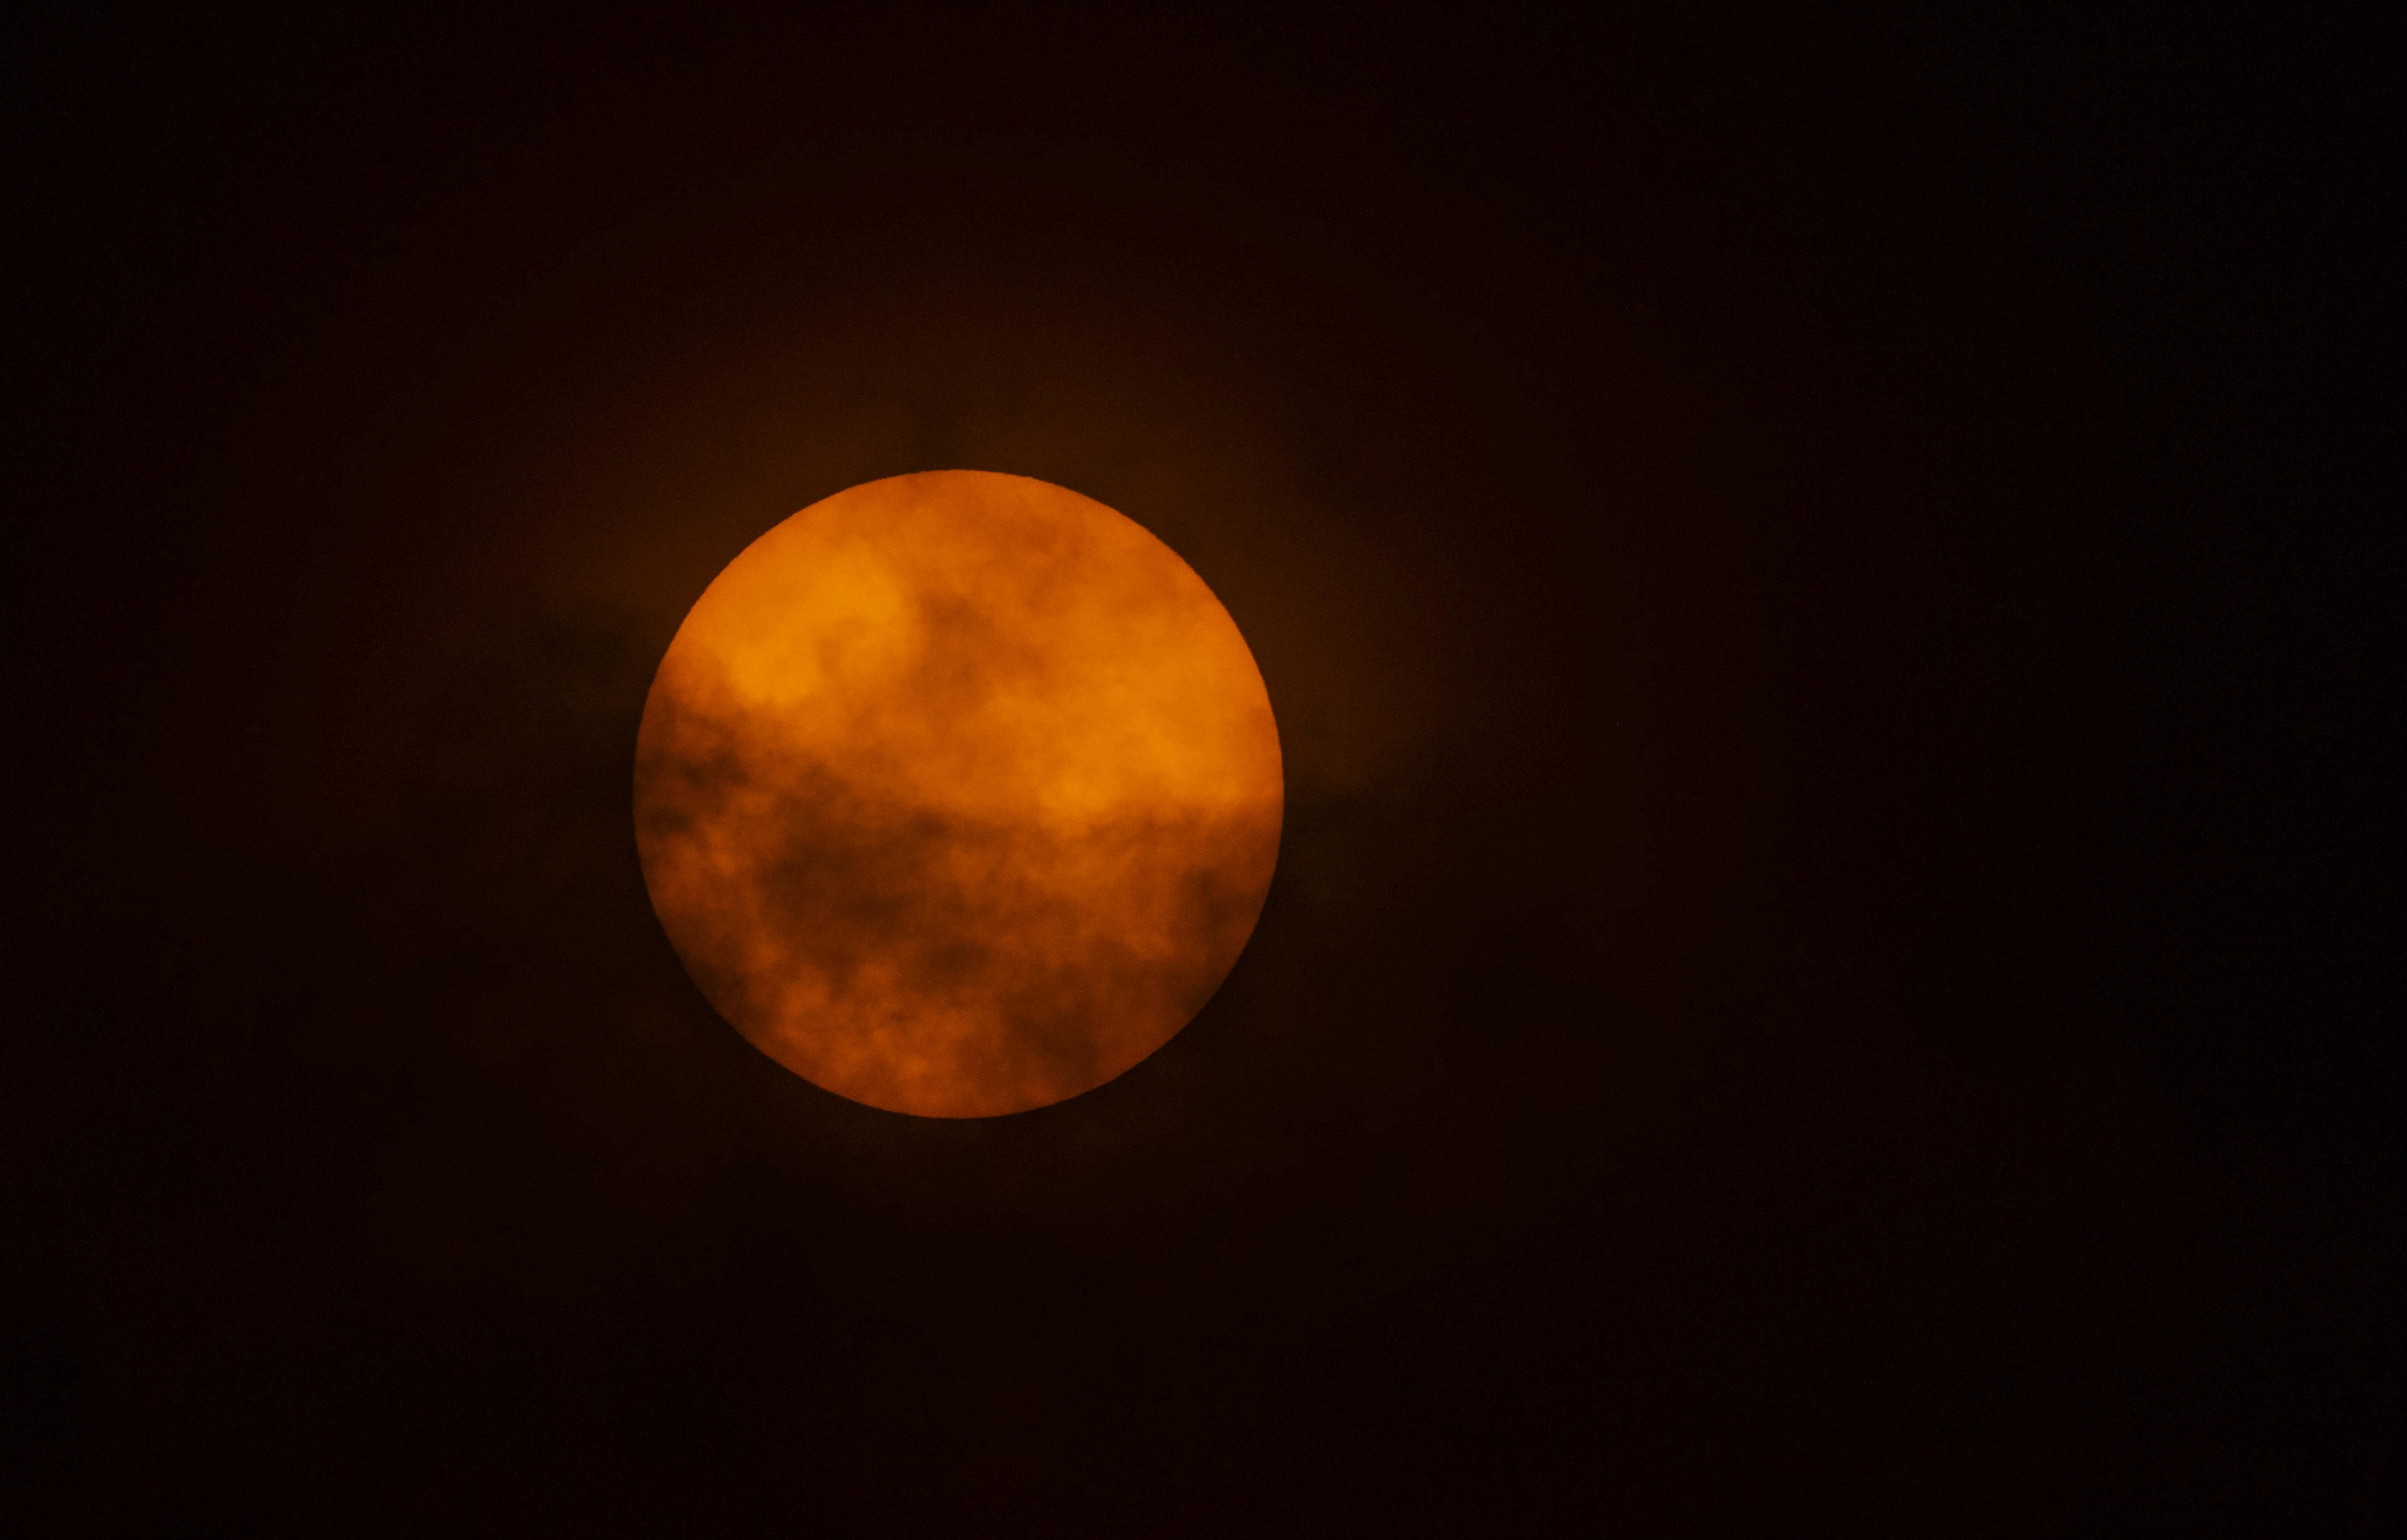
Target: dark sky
x,y
1820,974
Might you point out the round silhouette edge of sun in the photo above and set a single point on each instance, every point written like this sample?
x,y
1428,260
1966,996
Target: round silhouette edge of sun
x,y
958,793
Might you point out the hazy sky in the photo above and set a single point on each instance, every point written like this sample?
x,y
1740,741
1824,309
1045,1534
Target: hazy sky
x,y
1812,979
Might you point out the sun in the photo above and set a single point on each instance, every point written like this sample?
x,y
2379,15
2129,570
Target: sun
x,y
958,793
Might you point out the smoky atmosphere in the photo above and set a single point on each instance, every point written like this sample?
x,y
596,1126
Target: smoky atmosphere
x,y
1800,956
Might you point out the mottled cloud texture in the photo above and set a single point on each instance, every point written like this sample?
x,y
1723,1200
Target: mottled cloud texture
x,y
959,794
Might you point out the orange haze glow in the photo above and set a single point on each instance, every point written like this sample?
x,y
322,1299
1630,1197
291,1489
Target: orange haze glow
x,y
958,793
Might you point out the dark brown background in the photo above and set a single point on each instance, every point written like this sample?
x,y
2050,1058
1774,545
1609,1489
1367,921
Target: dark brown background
x,y
1821,974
